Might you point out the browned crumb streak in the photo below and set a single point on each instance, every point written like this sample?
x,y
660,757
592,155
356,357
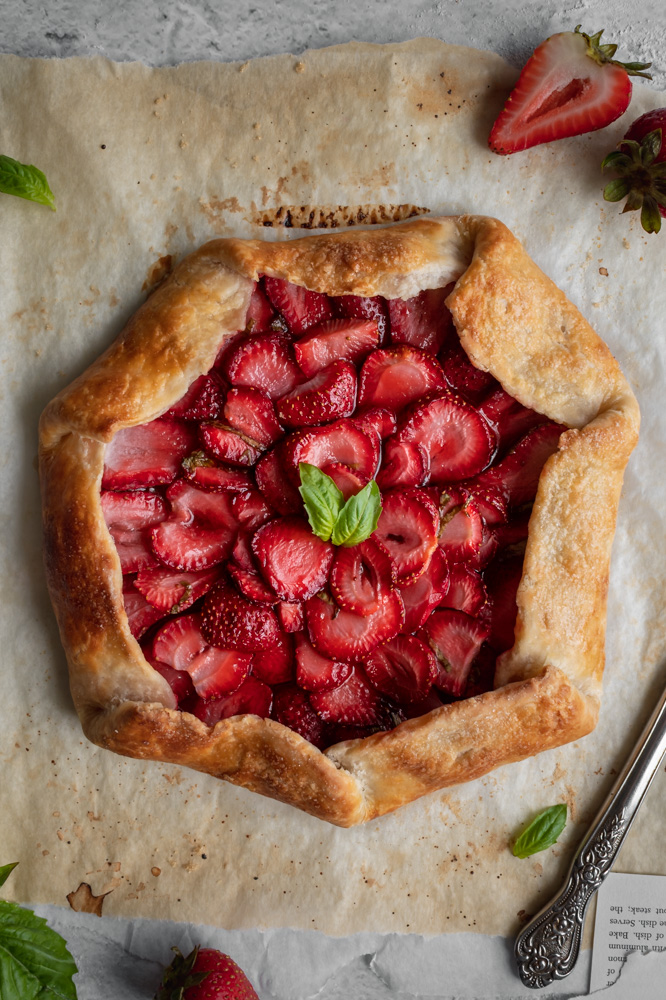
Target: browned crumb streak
x,y
335,216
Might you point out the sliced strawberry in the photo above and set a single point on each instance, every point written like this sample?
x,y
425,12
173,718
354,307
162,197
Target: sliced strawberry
x,y
509,419
276,488
228,445
140,614
455,638
173,590
378,419
293,560
369,308
397,376
315,672
335,339
407,528
518,473
354,701
251,585
203,400
214,671
461,526
251,698
292,708
300,307
232,622
200,531
486,551
428,704
515,531
179,681
490,501
403,464
242,552
251,412
337,442
204,471
466,590
403,668
275,665
291,615
502,579
481,677
129,517
260,313
422,321
264,361
423,595
361,576
463,376
349,483
458,441
146,455
328,395
250,510
342,635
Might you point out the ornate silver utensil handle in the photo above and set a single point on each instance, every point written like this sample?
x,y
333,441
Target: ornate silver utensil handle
x,y
547,948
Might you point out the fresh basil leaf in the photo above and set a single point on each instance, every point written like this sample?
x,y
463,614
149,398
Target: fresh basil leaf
x,y
322,498
6,870
542,832
358,518
34,960
25,181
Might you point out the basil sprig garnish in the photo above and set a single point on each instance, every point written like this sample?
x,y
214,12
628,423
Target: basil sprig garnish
x,y
25,181
330,517
542,832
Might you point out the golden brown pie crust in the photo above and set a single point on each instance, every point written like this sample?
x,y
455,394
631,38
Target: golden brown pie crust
x,y
512,321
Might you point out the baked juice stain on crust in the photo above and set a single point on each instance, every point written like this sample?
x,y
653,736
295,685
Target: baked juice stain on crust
x,y
335,216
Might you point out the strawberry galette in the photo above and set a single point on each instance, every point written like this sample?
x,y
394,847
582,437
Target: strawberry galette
x,y
332,518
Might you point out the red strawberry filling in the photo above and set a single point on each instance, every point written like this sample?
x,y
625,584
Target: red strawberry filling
x,y
240,606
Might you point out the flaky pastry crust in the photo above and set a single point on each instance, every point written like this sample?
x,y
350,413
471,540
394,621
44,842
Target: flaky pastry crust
x,y
513,322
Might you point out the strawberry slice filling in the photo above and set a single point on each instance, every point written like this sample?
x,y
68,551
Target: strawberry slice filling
x,y
236,602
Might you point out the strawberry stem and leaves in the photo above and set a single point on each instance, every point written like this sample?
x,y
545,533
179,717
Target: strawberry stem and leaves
x,y
25,181
330,517
180,976
604,54
640,180
542,832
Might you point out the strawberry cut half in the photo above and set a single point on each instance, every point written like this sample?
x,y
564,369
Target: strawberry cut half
x,y
146,455
264,361
251,412
229,445
300,307
205,472
251,585
403,464
466,590
455,638
275,487
403,669
398,376
179,681
361,576
203,400
422,321
275,665
260,312
253,697
463,376
502,579
214,671
336,339
407,528
349,483
378,419
173,590
509,419
358,307
140,614
230,621
129,517
457,439
328,395
461,527
517,475
291,615
293,560
354,701
337,442
200,530
315,672
423,595
292,708
341,635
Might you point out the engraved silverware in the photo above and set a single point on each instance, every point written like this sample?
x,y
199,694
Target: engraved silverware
x,y
547,948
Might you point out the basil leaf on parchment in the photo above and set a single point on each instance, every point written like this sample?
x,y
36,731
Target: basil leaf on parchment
x,y
25,181
542,832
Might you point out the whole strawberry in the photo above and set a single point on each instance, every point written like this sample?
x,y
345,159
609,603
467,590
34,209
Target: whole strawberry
x,y
570,85
205,974
640,163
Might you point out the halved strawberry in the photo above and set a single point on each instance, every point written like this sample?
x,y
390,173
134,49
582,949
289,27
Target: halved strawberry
x,y
422,321
275,665
264,361
200,530
251,412
292,708
250,510
214,671
354,701
129,517
251,585
360,307
140,614
428,704
502,579
173,590
378,419
276,488
457,439
349,483
335,339
146,455
461,526
509,419
407,528
397,376
571,84
423,595
403,668
260,313
403,464
252,698
203,400
232,622
466,590
361,576
205,472
518,473
242,552
328,395
293,560
490,501
455,638
291,615
337,442
464,377
316,672
342,635
179,681
300,307
228,445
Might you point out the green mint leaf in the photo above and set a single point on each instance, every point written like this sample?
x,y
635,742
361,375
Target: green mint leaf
x,y
542,832
6,870
358,518
34,960
25,181
322,498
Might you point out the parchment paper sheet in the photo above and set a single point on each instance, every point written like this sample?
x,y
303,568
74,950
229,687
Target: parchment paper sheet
x,y
148,163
